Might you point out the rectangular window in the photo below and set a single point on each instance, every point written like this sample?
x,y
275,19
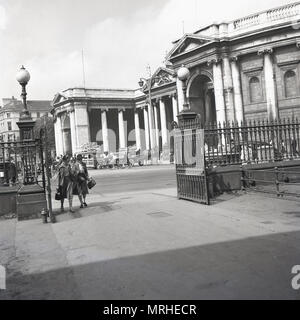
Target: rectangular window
x,y
9,125
38,115
8,114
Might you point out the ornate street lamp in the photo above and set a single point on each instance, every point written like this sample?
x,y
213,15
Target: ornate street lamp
x,y
26,123
31,197
23,78
183,73
186,114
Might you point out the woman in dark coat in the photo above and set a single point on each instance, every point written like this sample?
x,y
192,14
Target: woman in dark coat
x,y
81,180
66,176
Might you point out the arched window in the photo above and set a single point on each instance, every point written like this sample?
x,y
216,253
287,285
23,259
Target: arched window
x,y
255,90
290,84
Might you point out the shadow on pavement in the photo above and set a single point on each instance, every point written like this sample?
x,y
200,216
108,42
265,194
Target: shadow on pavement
x,y
251,268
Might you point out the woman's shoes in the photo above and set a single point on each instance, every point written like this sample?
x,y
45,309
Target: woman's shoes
x,y
85,204
81,206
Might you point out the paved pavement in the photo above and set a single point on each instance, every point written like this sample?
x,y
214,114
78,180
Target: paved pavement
x,y
146,244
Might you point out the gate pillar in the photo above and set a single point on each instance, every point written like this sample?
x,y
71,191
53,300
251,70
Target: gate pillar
x,y
31,198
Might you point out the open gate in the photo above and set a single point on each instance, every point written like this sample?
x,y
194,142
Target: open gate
x,y
191,172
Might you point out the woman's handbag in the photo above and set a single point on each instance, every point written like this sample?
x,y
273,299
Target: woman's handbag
x,y
91,183
58,195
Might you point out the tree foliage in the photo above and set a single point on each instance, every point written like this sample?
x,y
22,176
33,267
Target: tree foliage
x,y
45,123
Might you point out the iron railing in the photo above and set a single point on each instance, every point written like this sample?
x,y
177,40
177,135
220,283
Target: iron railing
x,y
279,181
21,162
252,142
190,165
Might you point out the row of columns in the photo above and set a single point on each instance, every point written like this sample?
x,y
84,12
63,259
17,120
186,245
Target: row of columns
x,y
227,88
80,133
151,128
151,122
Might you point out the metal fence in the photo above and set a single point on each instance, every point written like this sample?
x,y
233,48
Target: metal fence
x,y
279,181
190,164
252,142
21,163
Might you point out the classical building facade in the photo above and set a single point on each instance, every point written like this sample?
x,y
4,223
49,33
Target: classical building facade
x,y
246,69
10,114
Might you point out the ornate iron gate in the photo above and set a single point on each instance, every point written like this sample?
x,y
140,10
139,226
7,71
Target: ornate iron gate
x,y
190,162
22,163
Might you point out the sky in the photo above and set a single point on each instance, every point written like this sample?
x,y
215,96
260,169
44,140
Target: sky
x,y
118,39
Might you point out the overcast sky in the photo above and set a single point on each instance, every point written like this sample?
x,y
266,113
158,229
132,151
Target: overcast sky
x,y
119,38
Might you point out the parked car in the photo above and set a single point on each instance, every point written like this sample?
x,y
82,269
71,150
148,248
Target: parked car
x,y
135,157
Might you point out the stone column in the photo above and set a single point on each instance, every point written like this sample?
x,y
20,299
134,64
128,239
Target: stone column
x,y
151,126
238,100
137,130
163,121
175,107
122,138
156,125
73,132
271,98
82,124
59,136
218,90
104,131
228,89
146,123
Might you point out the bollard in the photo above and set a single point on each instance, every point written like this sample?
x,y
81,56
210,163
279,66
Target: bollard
x,y
277,181
44,214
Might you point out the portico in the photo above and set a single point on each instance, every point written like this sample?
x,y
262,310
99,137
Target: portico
x,y
246,69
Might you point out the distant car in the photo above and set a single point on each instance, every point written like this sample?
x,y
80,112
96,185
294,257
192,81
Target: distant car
x,y
135,157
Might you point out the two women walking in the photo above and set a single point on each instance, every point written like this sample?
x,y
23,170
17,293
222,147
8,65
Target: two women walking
x,y
72,180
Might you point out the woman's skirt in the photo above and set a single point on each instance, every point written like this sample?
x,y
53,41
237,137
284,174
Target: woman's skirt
x,y
80,187
66,189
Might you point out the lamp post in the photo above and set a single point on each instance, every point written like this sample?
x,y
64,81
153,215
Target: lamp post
x,y
148,83
31,197
183,74
26,123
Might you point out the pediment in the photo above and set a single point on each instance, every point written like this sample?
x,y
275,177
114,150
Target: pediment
x,y
58,98
161,77
188,43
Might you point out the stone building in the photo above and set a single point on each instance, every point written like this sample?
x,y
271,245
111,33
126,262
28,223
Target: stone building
x,y
246,69
10,115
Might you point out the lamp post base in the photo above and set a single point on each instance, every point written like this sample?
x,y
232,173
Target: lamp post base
x,y
31,200
186,115
26,125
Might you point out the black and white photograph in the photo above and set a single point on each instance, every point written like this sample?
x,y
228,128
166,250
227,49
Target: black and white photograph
x,y
149,152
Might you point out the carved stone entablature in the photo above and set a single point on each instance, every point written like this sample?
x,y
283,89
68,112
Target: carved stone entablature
x,y
234,58
265,51
214,61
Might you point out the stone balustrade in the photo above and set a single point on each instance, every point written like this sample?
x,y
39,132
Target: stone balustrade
x,y
287,13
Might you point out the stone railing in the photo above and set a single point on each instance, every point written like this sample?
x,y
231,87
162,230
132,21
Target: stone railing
x,y
246,22
284,13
